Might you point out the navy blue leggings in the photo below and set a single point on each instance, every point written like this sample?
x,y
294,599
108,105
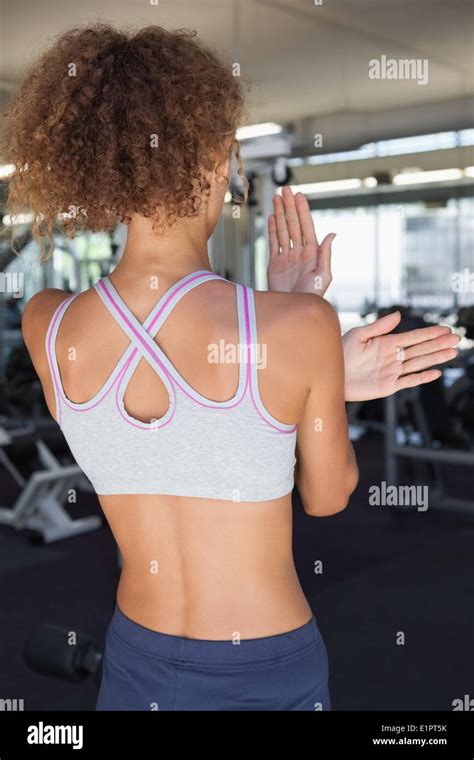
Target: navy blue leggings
x,y
147,670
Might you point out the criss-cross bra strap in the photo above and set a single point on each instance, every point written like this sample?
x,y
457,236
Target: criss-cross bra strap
x,y
161,311
142,335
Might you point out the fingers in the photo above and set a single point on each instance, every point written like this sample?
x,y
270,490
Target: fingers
x,y
292,217
446,340
411,381
412,337
273,237
281,226
429,360
325,253
305,219
426,353
381,326
294,224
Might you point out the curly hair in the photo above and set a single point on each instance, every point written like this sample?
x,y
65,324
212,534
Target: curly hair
x,y
108,123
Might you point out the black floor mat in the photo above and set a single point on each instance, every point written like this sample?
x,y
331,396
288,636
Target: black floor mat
x,y
424,599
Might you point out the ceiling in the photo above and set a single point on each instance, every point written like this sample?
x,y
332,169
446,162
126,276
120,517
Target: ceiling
x,y
304,59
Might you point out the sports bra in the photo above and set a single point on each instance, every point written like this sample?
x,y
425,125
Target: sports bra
x,y
232,450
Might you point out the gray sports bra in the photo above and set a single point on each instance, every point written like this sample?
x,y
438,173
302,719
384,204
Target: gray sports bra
x,y
233,450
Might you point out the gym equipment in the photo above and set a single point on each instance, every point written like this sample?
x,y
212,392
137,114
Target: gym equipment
x,y
39,506
427,452
49,651
465,318
23,396
461,396
428,426
446,404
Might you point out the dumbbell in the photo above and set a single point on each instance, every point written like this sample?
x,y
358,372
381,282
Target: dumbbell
x,y
48,651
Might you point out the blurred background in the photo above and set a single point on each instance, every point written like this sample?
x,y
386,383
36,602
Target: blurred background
x,y
366,107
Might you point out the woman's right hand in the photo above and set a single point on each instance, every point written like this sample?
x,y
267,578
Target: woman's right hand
x,y
298,263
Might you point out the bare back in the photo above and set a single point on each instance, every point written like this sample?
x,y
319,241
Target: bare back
x,y
202,568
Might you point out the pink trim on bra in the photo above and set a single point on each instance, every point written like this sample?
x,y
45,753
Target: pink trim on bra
x,y
160,423
142,345
55,320
143,341
251,328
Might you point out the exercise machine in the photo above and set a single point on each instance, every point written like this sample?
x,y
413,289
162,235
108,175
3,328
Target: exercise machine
x,y
40,506
421,450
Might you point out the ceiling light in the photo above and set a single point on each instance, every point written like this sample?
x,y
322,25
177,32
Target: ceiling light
x,y
370,182
6,170
417,178
327,187
258,130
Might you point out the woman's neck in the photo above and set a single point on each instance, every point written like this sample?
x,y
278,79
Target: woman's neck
x,y
174,253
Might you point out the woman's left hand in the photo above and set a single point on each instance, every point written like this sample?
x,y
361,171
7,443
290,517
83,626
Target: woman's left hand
x,y
298,263
378,364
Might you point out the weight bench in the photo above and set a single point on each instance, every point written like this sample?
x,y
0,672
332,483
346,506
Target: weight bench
x,y
40,505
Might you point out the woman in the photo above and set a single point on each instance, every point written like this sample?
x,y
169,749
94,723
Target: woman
x,y
184,397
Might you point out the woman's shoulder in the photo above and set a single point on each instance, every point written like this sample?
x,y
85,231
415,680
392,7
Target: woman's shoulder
x,y
40,309
36,318
307,310
299,328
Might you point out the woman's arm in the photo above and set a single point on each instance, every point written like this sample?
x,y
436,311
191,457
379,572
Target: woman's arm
x,y
377,363
326,470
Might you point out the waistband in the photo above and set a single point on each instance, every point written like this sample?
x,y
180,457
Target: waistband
x,y
167,646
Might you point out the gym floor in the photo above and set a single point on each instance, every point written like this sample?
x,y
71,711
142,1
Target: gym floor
x,y
382,575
